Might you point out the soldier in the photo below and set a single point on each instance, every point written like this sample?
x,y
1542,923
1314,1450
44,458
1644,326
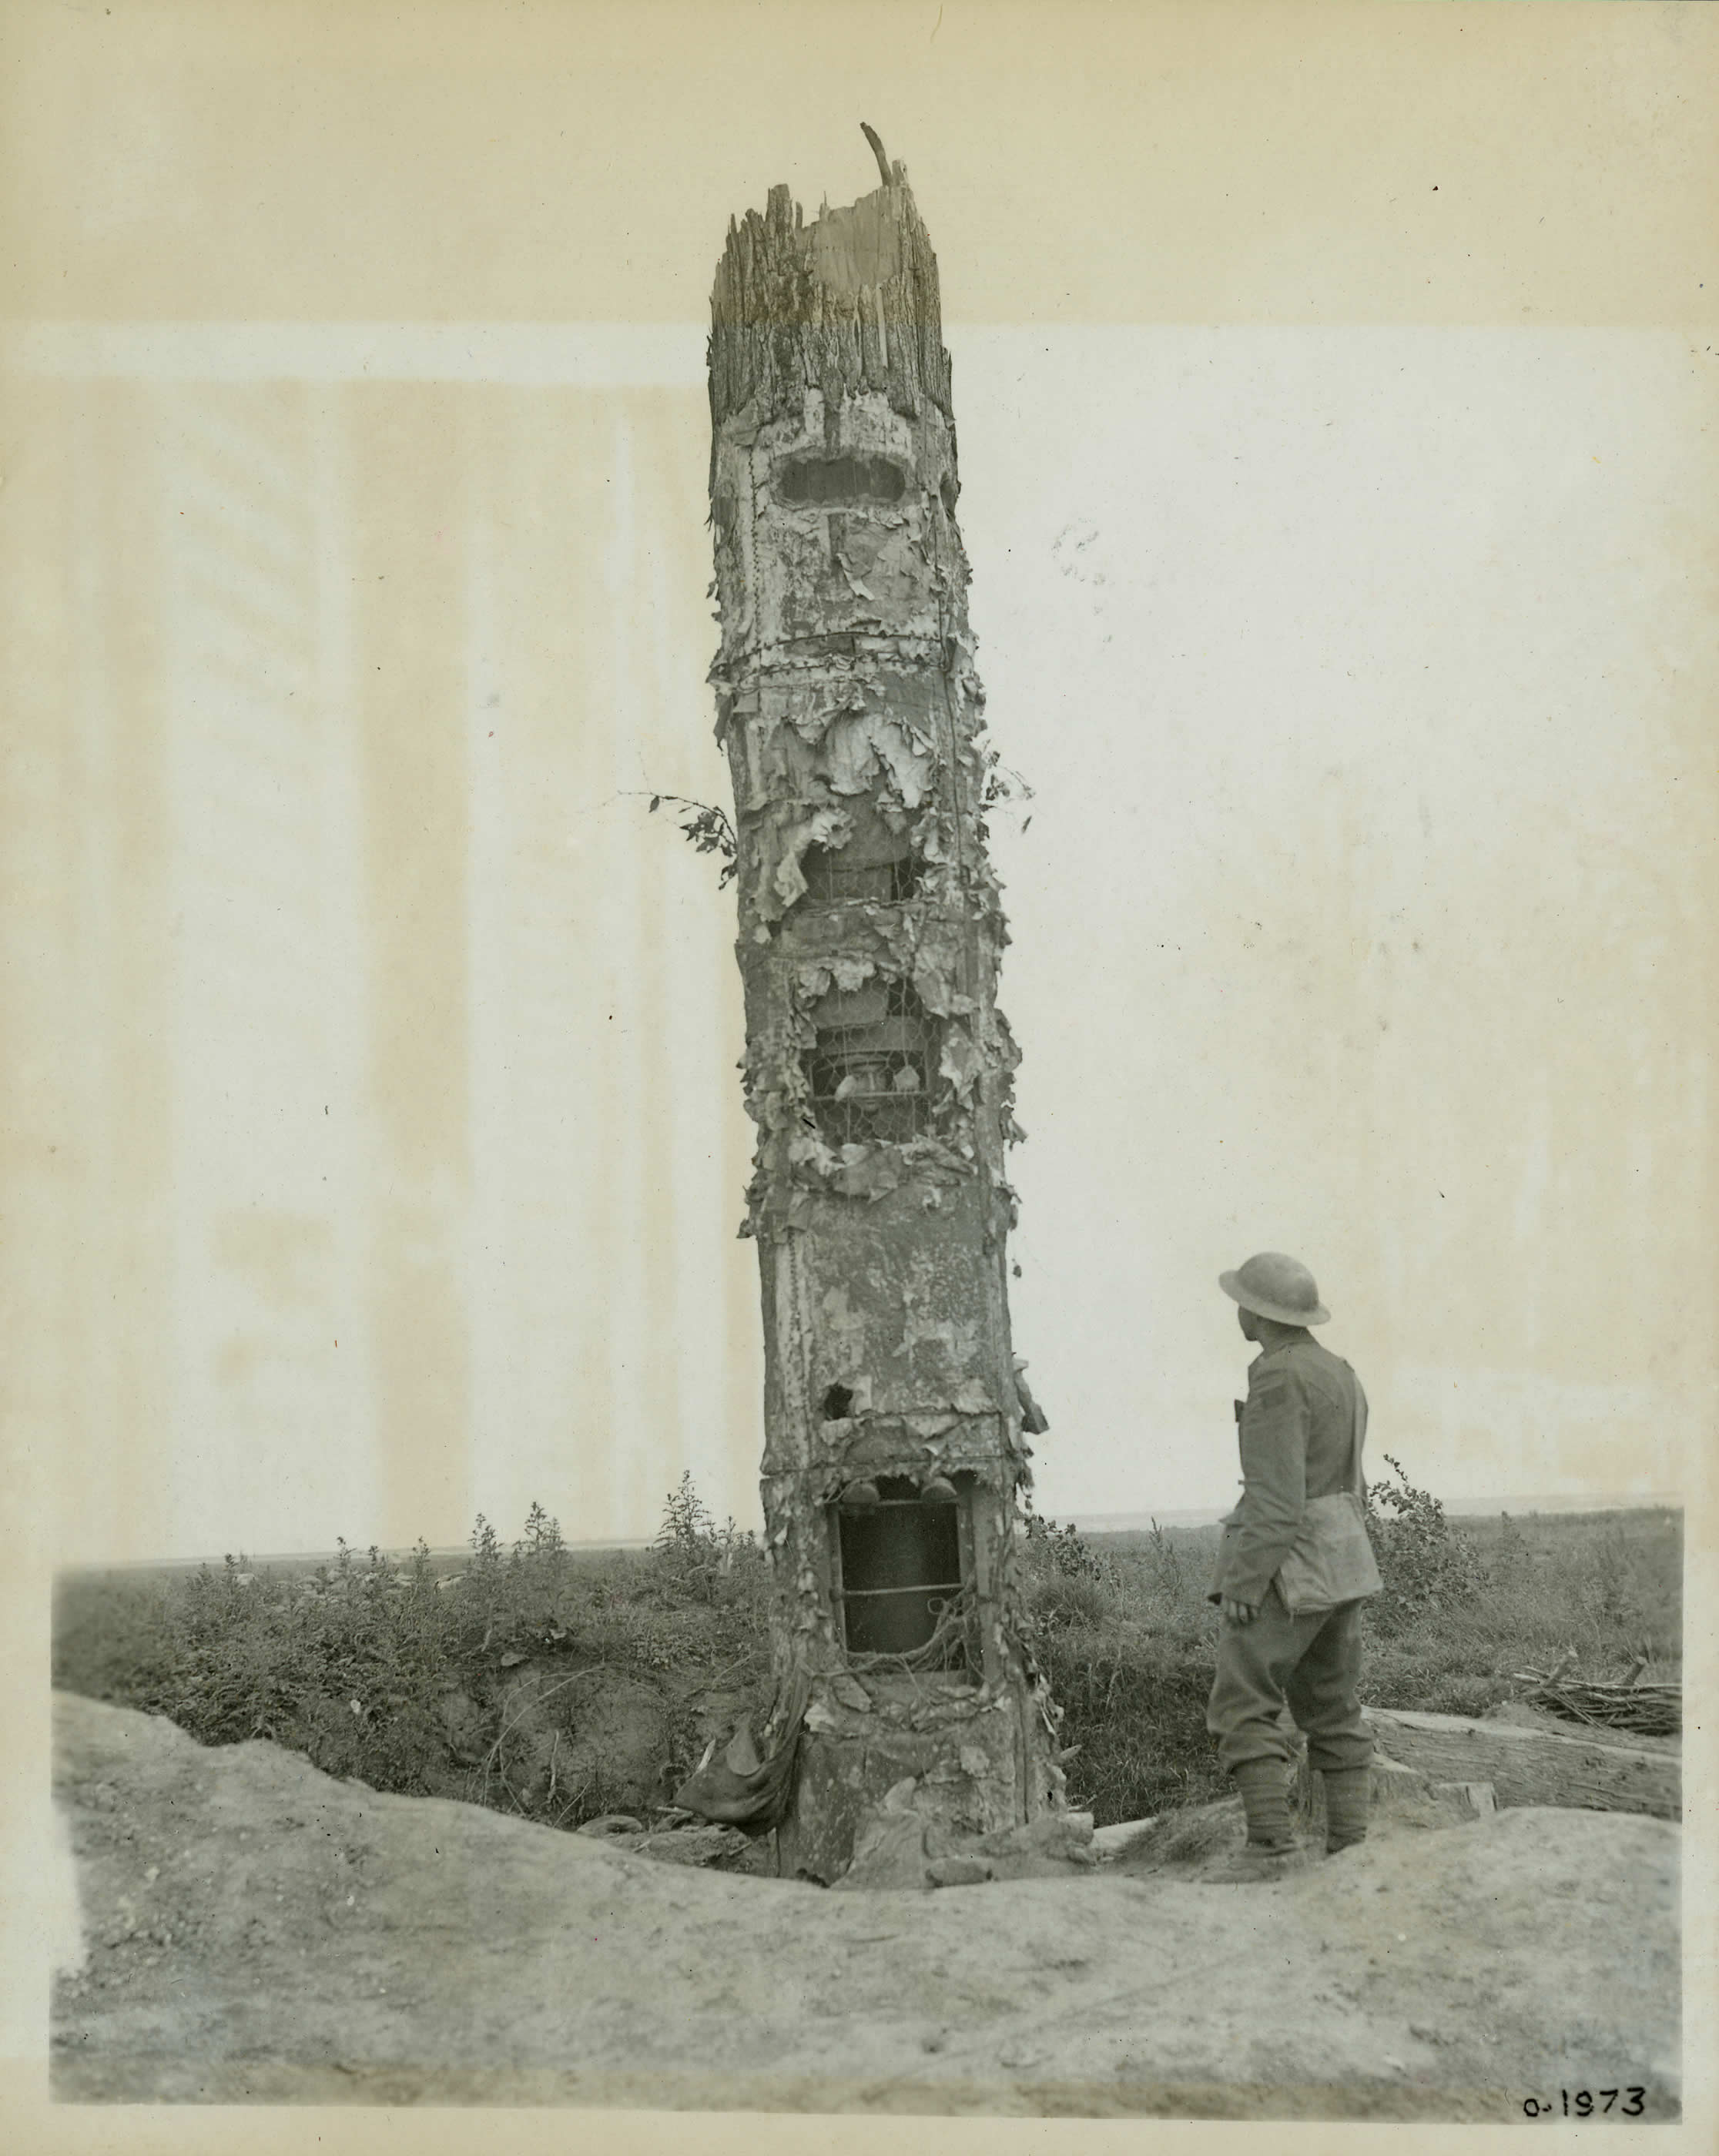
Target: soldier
x,y
1294,1567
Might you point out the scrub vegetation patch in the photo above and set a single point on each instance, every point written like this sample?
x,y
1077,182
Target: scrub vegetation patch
x,y
563,1685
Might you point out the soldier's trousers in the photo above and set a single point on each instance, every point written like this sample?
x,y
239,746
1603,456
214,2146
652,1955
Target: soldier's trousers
x,y
1310,1663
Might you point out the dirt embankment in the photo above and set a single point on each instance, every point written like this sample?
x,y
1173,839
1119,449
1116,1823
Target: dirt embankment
x,y
256,1931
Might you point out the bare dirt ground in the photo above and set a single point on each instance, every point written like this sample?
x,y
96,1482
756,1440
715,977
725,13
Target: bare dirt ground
x,y
255,1931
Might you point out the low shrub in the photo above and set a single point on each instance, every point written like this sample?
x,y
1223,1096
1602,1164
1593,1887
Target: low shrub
x,y
408,1675
699,1555
1061,1553
1427,1570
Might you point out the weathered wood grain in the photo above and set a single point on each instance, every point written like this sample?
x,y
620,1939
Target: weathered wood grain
x,y
1534,1766
1401,1792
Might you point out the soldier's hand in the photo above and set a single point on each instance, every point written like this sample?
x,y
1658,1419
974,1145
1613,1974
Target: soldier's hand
x,y
1240,1613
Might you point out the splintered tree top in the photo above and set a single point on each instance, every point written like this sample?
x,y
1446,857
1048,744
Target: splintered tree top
x,y
848,302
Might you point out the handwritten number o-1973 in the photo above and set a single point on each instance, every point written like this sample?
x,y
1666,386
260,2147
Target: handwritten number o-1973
x,y
1579,2103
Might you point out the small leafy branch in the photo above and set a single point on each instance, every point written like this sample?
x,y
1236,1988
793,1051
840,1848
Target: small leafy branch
x,y
1062,1551
705,826
1003,790
1002,785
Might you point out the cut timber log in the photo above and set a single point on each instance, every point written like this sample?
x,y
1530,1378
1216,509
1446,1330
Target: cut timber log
x,y
1397,1792
1533,1766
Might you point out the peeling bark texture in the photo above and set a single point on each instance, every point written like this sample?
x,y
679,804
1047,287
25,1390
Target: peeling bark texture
x,y
878,1070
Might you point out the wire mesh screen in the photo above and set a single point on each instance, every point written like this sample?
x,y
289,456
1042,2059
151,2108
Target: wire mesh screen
x,y
869,1072
901,1577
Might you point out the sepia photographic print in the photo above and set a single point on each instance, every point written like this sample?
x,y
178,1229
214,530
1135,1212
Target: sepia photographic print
x,y
859,1269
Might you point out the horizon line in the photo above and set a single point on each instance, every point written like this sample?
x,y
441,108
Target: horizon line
x,y
1084,1522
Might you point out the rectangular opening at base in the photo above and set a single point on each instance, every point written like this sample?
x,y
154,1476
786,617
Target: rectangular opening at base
x,y
902,1575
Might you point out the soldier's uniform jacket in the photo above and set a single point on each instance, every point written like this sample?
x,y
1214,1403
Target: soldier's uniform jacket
x,y
1302,1427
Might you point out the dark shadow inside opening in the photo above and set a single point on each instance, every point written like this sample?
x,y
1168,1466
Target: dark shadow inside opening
x,y
818,481
901,1571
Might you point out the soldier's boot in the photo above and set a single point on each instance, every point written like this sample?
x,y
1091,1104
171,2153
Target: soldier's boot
x,y
1251,1865
1348,1797
1264,1784
1270,1849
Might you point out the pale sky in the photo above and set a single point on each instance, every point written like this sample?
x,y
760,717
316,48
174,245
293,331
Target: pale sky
x,y
1338,487
1360,913
1363,910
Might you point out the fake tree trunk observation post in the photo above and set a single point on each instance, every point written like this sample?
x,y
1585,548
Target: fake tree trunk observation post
x,y
878,1068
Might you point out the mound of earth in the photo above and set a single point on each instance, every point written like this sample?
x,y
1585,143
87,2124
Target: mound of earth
x,y
255,1931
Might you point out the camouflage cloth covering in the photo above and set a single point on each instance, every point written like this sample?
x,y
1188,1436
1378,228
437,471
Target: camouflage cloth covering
x,y
743,1784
